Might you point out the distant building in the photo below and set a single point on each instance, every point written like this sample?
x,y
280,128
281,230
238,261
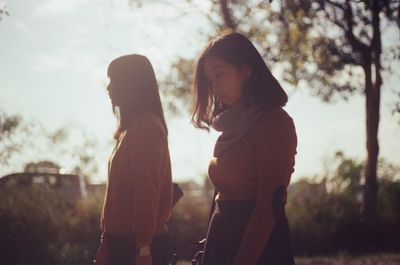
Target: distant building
x,y
72,187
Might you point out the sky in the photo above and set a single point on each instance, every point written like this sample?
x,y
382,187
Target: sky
x,y
53,61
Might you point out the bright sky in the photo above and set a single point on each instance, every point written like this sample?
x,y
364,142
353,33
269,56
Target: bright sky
x,y
54,57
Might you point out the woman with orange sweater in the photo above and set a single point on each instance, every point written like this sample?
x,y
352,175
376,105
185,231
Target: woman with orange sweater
x,y
138,199
254,157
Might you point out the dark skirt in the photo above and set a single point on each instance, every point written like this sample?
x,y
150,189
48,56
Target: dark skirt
x,y
121,249
227,226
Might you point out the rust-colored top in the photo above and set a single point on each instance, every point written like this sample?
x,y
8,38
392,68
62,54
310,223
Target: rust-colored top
x,y
139,188
253,168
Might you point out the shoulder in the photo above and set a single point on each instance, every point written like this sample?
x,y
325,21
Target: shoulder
x,y
275,132
275,119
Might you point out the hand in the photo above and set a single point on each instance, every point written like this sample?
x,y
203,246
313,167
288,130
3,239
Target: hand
x,y
143,260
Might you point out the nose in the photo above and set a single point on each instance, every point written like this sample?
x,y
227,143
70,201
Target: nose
x,y
213,87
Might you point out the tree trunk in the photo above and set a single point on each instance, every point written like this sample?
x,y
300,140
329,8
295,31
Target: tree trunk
x,y
373,94
372,124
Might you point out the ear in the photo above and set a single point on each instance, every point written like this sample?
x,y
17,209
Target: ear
x,y
246,70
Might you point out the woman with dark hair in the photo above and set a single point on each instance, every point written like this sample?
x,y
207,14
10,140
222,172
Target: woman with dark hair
x,y
236,94
138,199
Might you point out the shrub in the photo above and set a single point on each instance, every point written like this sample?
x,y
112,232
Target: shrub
x,y
37,226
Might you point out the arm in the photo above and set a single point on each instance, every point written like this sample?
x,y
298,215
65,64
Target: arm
x,y
145,156
274,160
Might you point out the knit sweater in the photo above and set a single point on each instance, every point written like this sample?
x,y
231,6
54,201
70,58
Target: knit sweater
x,y
253,168
139,189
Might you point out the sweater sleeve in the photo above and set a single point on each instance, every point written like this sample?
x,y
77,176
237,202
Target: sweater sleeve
x,y
145,157
275,151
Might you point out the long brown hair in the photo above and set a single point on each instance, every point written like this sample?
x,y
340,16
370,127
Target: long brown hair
x,y
261,87
136,86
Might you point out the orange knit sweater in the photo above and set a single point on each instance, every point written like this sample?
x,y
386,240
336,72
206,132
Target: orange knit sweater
x,y
253,168
139,188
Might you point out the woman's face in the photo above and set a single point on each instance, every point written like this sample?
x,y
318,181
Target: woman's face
x,y
224,80
112,89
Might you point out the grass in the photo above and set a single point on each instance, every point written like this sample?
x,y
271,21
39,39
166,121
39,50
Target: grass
x,y
378,259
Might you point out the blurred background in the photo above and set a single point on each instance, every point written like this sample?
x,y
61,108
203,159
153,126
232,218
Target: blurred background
x,y
338,60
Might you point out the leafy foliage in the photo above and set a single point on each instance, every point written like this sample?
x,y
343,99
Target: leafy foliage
x,y
38,227
325,214
19,138
3,11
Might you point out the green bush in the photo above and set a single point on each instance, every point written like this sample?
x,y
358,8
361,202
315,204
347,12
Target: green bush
x,y
325,216
190,220
38,227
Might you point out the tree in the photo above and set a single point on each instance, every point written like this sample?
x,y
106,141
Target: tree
x,y
19,137
339,62
42,166
3,11
176,85
333,61
319,230
11,126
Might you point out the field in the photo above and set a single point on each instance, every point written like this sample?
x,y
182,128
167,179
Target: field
x,y
386,259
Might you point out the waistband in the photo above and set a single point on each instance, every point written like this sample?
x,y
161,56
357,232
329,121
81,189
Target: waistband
x,y
233,209
126,227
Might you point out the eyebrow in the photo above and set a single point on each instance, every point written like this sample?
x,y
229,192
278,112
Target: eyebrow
x,y
215,67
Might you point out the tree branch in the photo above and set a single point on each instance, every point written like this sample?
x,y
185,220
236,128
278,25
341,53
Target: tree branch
x,y
357,44
226,12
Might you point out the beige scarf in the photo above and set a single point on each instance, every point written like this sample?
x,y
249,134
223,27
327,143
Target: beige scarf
x,y
234,123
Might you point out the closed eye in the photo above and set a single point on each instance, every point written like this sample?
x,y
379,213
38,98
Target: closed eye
x,y
218,75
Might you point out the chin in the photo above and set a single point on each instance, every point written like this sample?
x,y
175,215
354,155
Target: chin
x,y
114,104
228,104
